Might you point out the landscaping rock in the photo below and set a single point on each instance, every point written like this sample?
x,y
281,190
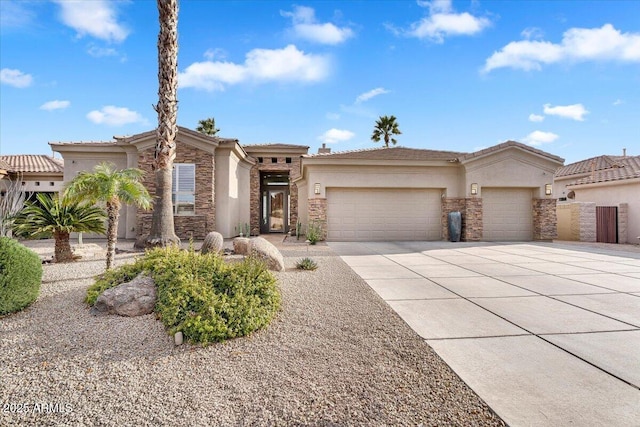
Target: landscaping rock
x,y
212,243
242,246
134,298
266,251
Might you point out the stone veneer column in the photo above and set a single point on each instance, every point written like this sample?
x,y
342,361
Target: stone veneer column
x,y
473,224
452,204
545,223
318,213
587,222
623,222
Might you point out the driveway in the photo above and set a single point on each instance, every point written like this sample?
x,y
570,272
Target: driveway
x,y
547,334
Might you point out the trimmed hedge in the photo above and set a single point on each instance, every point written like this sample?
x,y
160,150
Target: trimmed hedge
x,y
204,297
20,276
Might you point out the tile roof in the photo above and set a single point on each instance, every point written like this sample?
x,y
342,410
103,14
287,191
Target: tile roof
x,y
4,165
33,163
584,166
619,168
274,145
508,144
390,153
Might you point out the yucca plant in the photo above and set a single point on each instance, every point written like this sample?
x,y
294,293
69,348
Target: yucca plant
x,y
58,216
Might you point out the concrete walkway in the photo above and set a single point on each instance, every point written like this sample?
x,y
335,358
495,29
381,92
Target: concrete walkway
x,y
547,334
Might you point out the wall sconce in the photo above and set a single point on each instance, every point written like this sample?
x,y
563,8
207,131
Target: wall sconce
x,y
547,189
474,189
316,188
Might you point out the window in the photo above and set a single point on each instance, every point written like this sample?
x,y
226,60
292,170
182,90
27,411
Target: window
x,y
287,160
260,160
184,189
274,160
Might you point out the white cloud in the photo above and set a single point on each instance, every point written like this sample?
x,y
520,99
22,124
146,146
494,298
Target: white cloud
x,y
442,22
97,18
55,105
535,118
575,111
305,26
372,93
578,45
15,78
216,53
539,137
618,102
336,135
15,14
115,116
532,33
287,64
98,52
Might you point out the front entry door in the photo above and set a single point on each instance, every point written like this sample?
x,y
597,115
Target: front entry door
x,y
275,211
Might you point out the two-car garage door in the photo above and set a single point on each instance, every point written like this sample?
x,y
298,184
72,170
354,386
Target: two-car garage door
x,y
383,214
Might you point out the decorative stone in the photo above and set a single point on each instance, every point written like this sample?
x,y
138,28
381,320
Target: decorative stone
x,y
213,242
134,298
178,338
266,251
242,246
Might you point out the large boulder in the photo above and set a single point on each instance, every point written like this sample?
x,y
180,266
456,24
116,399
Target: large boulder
x,y
266,251
242,246
213,242
134,298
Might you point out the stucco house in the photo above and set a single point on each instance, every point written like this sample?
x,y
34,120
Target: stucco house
x,y
37,173
503,192
600,199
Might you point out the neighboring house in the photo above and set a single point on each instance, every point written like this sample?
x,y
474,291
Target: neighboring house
x,y
376,194
37,173
595,189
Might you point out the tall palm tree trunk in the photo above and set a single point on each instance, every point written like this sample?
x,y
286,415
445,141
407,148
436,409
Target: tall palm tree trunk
x,y
162,225
62,251
113,214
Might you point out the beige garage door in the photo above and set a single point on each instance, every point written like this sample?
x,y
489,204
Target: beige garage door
x,y
507,214
383,214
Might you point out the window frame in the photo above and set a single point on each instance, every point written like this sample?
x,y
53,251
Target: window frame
x,y
176,190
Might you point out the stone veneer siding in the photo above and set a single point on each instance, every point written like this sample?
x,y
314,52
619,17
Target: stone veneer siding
x,y
318,214
623,223
545,224
471,212
254,205
187,226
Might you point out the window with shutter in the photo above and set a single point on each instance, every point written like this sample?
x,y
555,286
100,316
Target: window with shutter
x,y
184,189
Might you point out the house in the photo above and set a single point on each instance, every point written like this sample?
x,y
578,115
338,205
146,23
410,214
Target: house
x,y
503,192
37,173
600,199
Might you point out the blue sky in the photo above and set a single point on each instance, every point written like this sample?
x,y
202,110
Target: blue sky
x,y
563,76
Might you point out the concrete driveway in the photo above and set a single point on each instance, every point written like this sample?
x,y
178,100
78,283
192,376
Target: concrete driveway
x,y
547,334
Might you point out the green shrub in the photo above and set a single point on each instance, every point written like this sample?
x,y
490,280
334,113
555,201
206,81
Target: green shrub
x,y
306,264
20,276
202,296
314,232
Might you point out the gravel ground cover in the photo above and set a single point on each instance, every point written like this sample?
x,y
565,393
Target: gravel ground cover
x,y
335,355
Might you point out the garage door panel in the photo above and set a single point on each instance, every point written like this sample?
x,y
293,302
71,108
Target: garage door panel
x,y
507,214
383,214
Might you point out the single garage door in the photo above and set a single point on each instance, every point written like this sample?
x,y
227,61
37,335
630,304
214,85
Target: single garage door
x,y
369,214
507,214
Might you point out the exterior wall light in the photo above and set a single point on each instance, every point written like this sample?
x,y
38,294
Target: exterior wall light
x,y
474,189
316,188
547,189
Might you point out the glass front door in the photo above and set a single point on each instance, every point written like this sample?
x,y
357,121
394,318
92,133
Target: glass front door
x,y
276,211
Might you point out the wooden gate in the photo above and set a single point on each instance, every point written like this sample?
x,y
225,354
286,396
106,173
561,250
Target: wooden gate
x,y
607,224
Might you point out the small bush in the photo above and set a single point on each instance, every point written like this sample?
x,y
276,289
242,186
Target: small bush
x,y
306,264
202,296
20,276
314,232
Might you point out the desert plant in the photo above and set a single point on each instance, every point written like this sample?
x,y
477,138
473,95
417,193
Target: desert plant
x,y
11,202
58,216
20,276
306,264
385,128
114,188
202,296
298,230
314,232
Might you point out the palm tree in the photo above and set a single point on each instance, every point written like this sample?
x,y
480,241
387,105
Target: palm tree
x,y
386,127
113,188
162,225
59,216
208,126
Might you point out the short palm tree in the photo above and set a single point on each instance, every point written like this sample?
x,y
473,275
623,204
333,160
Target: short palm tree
x,y
386,127
114,188
208,126
59,216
